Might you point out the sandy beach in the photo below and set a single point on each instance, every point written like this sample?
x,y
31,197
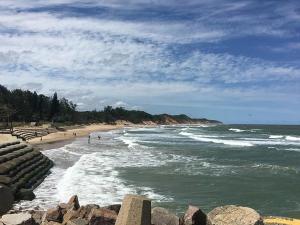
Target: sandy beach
x,y
68,135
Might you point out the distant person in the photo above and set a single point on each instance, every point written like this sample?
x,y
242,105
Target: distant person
x,y
89,141
99,137
41,138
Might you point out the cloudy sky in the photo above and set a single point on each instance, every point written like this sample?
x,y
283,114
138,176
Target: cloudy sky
x,y
233,60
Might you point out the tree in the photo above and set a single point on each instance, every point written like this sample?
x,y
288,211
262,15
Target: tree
x,y
54,106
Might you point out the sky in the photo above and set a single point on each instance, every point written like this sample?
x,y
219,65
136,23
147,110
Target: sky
x,y
237,61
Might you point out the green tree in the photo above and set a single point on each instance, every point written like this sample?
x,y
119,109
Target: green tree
x,y
54,110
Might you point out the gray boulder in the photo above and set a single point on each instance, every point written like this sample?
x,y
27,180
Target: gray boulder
x,y
234,215
161,216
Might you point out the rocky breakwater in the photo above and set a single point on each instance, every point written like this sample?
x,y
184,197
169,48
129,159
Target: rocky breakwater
x,y
22,169
136,210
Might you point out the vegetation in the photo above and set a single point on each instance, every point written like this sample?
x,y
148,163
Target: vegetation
x,y
26,106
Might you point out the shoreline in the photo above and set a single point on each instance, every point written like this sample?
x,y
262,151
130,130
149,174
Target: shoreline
x,y
62,138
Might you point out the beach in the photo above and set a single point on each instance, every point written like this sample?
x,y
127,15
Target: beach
x,y
69,133
178,164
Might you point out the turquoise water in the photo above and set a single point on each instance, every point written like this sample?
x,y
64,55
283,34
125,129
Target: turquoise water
x,y
208,166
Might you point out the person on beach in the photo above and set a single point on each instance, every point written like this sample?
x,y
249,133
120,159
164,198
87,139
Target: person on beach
x,y
99,137
89,141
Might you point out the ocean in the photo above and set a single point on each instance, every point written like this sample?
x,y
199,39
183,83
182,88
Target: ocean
x,y
208,166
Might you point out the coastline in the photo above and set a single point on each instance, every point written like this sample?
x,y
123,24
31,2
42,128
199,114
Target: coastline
x,y
61,138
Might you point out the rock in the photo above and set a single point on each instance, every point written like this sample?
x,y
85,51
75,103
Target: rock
x,y
234,215
73,202
161,216
63,207
25,194
135,210
84,211
102,216
50,223
7,199
18,219
54,214
194,216
115,208
78,221
37,216
70,214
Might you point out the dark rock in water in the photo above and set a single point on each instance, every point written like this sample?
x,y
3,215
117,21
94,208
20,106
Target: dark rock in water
x,y
18,219
7,199
115,208
102,217
73,202
234,215
25,194
161,216
54,214
194,216
78,221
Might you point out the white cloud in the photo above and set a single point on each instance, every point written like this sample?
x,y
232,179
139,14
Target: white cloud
x,y
101,61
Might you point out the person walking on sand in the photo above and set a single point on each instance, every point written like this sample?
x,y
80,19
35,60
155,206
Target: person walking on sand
x,y
89,141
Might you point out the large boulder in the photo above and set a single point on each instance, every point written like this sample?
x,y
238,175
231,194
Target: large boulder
x,y
234,215
161,216
70,215
102,216
194,216
7,199
115,208
135,210
18,219
74,202
84,211
78,221
54,215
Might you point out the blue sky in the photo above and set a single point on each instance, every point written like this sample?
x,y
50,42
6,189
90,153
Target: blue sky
x,y
236,61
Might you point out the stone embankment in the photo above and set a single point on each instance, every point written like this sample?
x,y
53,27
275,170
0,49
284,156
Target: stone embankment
x,y
29,133
136,210
21,170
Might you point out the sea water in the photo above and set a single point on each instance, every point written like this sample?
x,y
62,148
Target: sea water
x,y
207,166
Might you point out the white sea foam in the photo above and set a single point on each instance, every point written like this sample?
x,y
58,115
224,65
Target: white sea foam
x,y
217,141
292,138
293,149
236,130
275,136
96,180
